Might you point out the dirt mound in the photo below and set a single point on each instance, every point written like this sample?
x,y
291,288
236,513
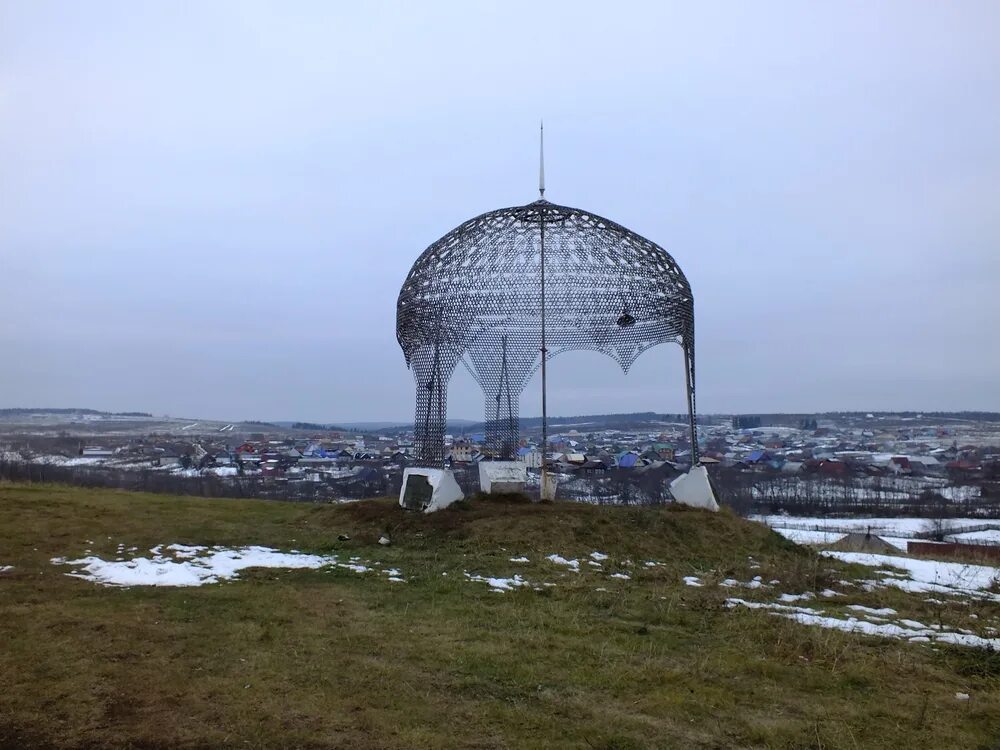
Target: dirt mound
x,y
651,531
862,542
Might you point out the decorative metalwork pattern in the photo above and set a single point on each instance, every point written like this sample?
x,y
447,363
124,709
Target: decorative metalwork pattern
x,y
474,297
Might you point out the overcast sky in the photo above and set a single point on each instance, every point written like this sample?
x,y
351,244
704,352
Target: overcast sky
x,y
207,209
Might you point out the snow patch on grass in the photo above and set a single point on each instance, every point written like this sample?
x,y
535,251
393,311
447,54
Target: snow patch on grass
x,y
910,630
882,612
926,576
353,567
730,583
788,598
573,565
196,565
499,585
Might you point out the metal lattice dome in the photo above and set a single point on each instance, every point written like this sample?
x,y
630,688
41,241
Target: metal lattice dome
x,y
475,297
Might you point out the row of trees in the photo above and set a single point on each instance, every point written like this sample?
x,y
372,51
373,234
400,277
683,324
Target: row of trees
x,y
745,492
147,480
750,492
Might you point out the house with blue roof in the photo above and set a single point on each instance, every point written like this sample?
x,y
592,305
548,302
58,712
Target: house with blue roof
x,y
628,460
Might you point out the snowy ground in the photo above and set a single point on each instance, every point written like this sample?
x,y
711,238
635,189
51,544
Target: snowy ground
x,y
991,536
595,561
956,582
806,536
869,624
498,585
927,576
920,577
902,527
184,565
951,582
191,565
64,461
896,531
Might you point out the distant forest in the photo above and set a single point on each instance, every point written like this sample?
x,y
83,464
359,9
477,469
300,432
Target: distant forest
x,y
90,412
314,426
600,421
596,420
976,416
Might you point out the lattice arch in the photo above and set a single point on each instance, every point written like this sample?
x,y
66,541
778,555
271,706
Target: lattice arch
x,y
474,297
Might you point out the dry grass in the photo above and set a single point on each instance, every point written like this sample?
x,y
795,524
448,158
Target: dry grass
x,y
322,659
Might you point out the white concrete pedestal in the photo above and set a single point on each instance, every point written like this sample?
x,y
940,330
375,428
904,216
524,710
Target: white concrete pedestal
x,y
547,489
694,489
502,476
429,489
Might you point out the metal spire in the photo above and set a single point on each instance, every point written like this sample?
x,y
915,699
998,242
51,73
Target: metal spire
x,y
546,489
541,159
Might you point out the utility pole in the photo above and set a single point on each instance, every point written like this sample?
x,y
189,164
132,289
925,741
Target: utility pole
x,y
544,488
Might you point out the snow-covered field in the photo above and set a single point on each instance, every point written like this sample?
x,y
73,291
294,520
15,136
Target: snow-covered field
x,y
904,526
989,536
125,464
808,536
927,576
896,531
885,489
64,461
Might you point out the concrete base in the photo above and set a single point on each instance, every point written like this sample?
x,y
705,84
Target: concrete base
x,y
547,490
502,476
694,489
429,489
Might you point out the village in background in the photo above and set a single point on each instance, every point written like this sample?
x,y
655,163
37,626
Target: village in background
x,y
799,471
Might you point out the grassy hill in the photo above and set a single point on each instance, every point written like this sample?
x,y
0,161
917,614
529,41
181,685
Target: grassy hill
x,y
330,658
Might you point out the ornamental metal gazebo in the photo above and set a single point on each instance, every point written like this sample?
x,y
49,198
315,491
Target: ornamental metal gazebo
x,y
510,289
506,291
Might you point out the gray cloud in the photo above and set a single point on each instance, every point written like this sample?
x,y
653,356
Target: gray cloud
x,y
209,209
